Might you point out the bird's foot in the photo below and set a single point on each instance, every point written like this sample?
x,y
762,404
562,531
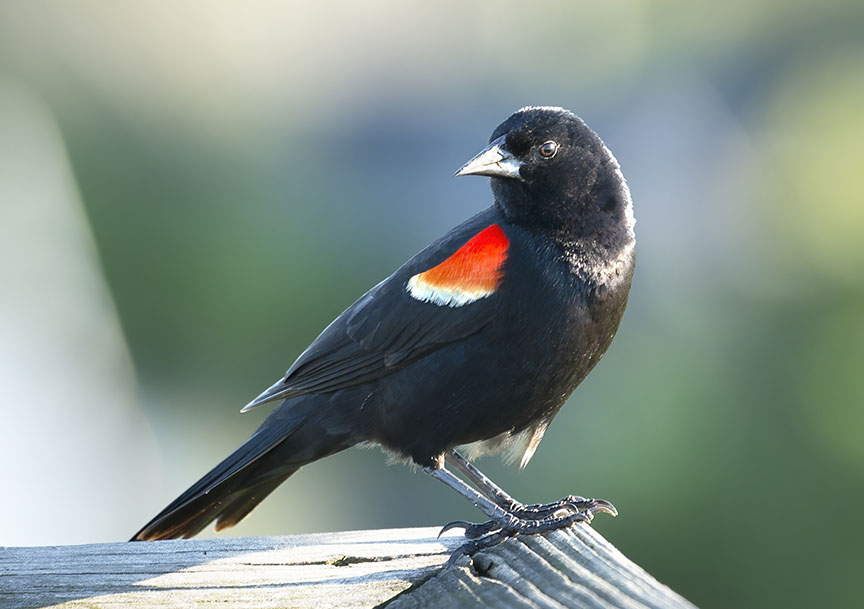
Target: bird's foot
x,y
559,512
492,532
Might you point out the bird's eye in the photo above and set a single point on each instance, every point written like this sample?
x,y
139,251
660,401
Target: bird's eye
x,y
548,149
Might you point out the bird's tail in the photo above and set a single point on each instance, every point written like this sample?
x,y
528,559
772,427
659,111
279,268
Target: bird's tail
x,y
233,488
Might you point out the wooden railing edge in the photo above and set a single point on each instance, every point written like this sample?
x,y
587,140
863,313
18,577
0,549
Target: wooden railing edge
x,y
393,568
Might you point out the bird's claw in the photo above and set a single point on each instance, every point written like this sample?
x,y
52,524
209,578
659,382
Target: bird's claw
x,y
456,524
601,506
472,530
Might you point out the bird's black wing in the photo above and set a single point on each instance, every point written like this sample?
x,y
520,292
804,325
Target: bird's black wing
x,y
387,328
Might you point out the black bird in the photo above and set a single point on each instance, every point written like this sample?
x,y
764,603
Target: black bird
x,y
475,342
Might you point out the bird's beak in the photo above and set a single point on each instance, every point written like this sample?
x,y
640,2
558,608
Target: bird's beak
x,y
494,161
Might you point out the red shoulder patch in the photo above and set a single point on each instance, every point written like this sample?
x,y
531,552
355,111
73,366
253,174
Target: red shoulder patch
x,y
474,271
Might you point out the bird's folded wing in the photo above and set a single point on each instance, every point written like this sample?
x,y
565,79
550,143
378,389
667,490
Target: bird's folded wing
x,y
399,321
382,332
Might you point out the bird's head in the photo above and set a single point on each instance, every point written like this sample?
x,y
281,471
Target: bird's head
x,y
550,170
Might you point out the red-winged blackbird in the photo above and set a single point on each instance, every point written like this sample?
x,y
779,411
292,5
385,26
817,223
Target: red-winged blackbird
x,y
476,341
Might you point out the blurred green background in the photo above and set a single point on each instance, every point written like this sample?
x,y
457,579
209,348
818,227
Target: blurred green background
x,y
190,192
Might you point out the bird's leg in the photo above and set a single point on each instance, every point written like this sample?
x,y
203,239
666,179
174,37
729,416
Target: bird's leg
x,y
475,532
491,509
502,523
486,486
537,511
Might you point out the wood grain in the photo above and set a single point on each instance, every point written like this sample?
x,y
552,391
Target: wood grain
x,y
396,568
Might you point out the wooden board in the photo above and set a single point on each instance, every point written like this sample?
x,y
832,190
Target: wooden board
x,y
397,567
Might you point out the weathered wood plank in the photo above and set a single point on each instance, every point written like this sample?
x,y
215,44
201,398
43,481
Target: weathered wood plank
x,y
573,568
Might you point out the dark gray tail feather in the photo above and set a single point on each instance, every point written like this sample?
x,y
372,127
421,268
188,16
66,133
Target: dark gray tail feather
x,y
246,477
